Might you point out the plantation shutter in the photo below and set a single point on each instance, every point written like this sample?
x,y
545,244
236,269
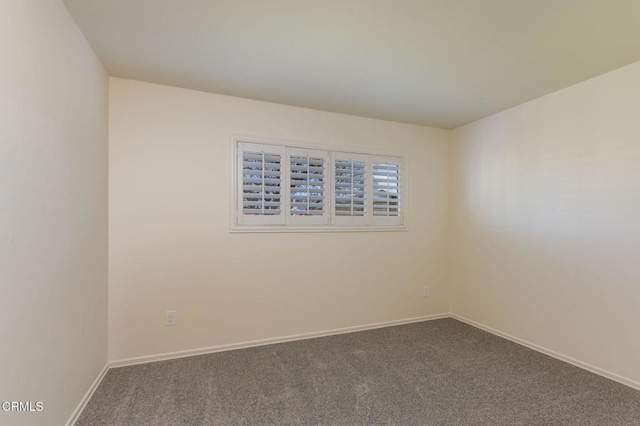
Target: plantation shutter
x,y
308,186
260,188
386,206
350,187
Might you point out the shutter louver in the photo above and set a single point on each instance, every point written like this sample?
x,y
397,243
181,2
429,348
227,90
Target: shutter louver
x,y
307,186
260,184
350,189
386,189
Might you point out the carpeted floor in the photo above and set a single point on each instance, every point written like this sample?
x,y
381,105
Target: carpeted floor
x,y
439,372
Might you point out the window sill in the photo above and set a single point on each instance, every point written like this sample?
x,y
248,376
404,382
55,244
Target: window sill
x,y
314,229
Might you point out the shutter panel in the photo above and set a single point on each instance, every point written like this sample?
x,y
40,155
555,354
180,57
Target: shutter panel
x,y
386,206
260,188
308,186
350,187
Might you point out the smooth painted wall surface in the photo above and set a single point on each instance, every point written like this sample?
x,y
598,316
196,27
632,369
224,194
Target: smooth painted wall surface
x,y
170,249
546,221
53,213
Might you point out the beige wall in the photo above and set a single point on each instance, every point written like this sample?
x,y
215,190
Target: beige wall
x,y
170,248
53,213
546,203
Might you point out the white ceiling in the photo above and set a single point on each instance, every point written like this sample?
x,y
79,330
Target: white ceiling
x,y
438,63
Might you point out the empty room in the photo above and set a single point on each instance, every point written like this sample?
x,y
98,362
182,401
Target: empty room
x,y
305,212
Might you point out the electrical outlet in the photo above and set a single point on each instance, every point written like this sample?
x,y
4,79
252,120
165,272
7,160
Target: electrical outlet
x,y
425,291
170,318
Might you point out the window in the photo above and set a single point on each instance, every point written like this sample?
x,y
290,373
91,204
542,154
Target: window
x,y
282,186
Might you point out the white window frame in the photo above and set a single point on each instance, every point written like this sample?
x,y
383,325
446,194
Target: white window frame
x,y
285,222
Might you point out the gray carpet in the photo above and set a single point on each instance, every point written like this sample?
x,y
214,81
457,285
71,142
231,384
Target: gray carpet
x,y
439,372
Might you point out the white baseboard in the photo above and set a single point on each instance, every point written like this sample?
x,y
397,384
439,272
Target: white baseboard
x,y
262,342
87,396
585,366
